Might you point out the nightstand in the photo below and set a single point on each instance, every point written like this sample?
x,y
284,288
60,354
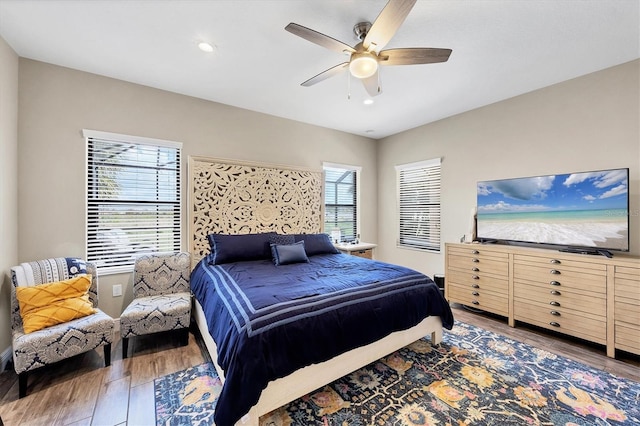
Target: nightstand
x,y
361,249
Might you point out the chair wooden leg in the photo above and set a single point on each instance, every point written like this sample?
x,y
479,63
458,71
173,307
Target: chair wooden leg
x,y
185,337
125,347
22,384
107,354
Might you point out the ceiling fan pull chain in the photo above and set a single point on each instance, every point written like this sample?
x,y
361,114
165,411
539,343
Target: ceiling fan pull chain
x,y
349,86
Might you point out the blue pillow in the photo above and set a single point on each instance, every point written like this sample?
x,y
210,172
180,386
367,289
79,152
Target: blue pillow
x,y
289,253
237,248
317,244
76,266
282,239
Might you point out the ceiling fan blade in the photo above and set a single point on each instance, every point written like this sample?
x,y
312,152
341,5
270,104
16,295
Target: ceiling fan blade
x,y
387,23
413,56
325,74
318,38
372,84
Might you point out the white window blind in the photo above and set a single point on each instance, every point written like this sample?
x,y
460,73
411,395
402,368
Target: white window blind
x,y
341,201
419,205
133,198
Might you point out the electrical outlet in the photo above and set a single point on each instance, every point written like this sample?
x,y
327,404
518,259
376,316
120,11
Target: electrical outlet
x,y
117,290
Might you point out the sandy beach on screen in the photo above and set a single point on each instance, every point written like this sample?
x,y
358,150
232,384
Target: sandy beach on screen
x,y
609,234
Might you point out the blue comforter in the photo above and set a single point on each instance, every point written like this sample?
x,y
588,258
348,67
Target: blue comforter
x,y
269,321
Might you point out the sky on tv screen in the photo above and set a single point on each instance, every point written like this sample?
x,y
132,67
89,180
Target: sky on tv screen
x,y
583,209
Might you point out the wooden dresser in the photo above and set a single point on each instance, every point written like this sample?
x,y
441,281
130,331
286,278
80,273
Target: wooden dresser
x,y
591,297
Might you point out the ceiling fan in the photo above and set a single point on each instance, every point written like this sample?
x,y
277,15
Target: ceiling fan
x,y
367,56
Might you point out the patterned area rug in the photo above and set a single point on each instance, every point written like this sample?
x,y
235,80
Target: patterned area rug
x,y
187,397
474,377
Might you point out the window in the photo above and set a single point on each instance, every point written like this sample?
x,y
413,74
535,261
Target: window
x,y
341,200
419,205
133,198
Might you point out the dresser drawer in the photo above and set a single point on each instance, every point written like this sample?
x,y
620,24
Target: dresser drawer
x,y
629,293
589,327
478,281
577,300
477,251
559,262
627,338
627,313
627,289
367,254
486,300
479,264
628,273
595,281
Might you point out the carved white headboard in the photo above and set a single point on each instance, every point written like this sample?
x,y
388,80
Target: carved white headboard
x,y
230,197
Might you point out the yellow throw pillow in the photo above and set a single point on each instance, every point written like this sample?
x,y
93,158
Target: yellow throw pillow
x,y
49,304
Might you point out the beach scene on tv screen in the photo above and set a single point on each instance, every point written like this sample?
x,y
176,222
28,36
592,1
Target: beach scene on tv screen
x,y
579,209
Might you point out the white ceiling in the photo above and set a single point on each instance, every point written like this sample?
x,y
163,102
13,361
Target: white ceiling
x,y
501,49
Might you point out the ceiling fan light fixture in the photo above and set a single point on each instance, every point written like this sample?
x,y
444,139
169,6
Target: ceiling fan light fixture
x,y
363,65
369,53
206,47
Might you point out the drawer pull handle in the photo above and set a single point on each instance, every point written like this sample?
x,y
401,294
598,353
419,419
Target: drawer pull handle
x,y
474,269
475,277
474,260
555,292
554,303
475,302
475,293
555,324
554,272
557,283
555,261
475,286
555,313
475,252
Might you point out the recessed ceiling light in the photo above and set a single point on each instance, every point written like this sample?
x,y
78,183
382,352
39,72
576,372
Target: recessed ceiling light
x,y
367,101
206,47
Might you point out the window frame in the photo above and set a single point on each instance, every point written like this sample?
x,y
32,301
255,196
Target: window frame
x,y
344,167
92,227
433,240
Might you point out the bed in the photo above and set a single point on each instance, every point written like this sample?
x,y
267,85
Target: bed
x,y
283,313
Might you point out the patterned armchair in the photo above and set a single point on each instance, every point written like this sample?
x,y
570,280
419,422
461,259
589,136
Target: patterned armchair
x,y
32,350
162,297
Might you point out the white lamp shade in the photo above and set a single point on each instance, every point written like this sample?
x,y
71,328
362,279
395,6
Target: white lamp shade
x,y
363,65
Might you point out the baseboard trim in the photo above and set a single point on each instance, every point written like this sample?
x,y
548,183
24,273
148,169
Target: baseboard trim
x,y
5,357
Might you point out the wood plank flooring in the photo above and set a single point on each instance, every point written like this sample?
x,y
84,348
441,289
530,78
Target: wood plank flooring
x,y
80,391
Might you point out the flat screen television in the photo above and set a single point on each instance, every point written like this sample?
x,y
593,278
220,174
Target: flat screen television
x,y
586,212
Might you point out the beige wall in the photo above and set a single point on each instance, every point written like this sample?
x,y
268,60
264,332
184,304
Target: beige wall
x,y
588,123
57,103
8,185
